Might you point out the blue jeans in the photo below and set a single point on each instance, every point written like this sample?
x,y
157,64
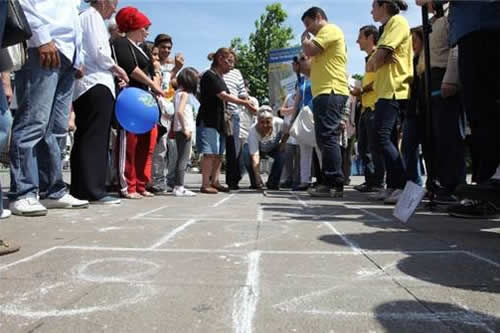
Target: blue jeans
x,y
327,110
386,117
374,166
412,138
4,108
277,168
247,163
44,98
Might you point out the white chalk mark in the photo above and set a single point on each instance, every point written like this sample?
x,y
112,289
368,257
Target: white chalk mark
x,y
302,202
119,228
245,301
260,214
172,234
270,252
367,212
145,293
138,216
82,271
346,240
220,202
36,255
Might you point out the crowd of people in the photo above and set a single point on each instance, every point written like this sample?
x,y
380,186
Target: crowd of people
x,y
77,65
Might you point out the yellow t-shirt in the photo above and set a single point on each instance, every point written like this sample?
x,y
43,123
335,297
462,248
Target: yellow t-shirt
x,y
368,99
393,79
328,69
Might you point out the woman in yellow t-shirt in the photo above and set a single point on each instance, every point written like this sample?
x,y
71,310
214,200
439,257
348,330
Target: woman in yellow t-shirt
x,y
393,64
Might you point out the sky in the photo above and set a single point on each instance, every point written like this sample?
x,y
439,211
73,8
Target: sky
x,y
199,27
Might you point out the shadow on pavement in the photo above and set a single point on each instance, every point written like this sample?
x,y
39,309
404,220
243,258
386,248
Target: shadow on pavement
x,y
412,316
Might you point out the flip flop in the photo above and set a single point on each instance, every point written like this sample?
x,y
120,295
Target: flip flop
x,y
6,248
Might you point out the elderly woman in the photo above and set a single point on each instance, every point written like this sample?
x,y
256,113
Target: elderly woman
x,y
137,162
266,136
210,121
94,97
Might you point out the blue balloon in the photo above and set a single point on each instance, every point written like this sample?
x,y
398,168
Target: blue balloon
x,y
136,110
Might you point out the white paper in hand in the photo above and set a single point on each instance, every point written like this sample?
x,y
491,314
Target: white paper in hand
x,y
409,201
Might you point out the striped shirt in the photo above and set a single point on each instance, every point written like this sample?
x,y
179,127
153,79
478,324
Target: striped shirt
x,y
236,84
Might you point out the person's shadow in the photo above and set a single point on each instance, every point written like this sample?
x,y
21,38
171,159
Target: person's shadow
x,y
420,316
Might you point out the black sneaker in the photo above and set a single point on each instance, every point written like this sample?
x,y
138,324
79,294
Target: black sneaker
x,y
471,209
287,184
365,188
157,190
361,187
446,199
487,191
319,191
273,187
337,191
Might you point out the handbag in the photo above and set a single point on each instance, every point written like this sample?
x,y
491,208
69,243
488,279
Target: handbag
x,y
17,28
13,58
303,128
228,123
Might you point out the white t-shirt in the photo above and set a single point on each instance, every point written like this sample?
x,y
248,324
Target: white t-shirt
x,y
266,144
188,114
247,118
166,75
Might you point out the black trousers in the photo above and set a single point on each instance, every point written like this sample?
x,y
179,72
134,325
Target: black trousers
x,y
233,172
89,157
480,76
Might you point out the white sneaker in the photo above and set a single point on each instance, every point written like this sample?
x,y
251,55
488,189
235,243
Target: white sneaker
x,y
5,214
382,194
27,207
394,197
66,202
182,192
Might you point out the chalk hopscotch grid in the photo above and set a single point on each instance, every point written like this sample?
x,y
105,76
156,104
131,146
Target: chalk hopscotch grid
x,y
246,300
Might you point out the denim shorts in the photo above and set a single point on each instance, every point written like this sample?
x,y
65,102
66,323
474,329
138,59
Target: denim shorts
x,y
209,141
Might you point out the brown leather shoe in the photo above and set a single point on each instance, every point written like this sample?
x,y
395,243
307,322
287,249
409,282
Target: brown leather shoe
x,y
221,188
208,190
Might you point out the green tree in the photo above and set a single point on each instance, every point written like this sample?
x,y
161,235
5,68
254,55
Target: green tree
x,y
270,33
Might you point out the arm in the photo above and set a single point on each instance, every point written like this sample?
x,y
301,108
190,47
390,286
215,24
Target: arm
x,y
97,49
179,63
138,75
256,169
7,87
309,47
226,97
382,56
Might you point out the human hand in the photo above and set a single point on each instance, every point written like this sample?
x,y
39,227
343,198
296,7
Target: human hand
x,y
355,91
49,55
156,89
448,90
305,36
179,61
422,2
188,134
121,74
80,72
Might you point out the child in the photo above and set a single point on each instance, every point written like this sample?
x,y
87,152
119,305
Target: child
x,y
184,126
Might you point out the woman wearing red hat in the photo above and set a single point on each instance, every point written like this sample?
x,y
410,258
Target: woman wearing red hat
x,y
135,164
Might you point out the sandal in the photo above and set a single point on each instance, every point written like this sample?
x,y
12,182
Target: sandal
x,y
147,194
133,196
6,248
208,190
221,188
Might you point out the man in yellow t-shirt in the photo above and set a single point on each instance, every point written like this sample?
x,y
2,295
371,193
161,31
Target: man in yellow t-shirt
x,y
325,44
373,162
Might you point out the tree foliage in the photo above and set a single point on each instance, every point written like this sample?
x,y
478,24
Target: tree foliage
x,y
270,33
